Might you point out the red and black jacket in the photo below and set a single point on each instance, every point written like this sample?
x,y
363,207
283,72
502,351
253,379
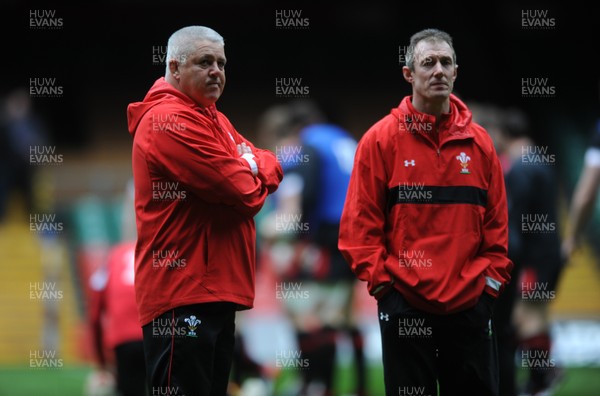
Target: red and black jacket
x,y
428,214
195,203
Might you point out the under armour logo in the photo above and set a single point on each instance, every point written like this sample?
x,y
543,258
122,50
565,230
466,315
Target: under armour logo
x,y
407,163
384,316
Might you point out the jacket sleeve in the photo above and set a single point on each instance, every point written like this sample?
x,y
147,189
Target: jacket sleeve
x,y
362,226
202,163
494,245
270,172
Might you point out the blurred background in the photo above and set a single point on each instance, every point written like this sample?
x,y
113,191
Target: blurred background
x,y
70,72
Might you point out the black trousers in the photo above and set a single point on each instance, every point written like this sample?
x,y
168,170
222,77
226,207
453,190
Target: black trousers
x,y
421,351
189,350
131,369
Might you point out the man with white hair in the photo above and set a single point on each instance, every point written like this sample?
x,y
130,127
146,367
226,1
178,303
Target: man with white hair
x,y
198,184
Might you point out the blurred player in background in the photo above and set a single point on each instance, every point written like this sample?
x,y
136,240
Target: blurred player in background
x,y
22,131
27,189
116,331
584,197
534,248
490,117
317,158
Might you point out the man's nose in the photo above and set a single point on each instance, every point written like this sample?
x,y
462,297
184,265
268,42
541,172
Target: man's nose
x,y
438,69
213,68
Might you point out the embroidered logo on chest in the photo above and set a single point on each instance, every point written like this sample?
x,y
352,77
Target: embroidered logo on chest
x,y
464,163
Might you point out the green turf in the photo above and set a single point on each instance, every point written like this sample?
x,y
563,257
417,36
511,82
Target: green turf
x,y
69,381
345,381
581,381
577,381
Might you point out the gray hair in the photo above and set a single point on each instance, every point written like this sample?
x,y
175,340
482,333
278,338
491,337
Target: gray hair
x,y
182,42
429,35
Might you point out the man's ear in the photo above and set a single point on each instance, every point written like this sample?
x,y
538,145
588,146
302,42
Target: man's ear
x,y
455,73
407,73
174,68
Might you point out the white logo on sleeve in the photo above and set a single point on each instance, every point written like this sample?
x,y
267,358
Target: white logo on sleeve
x,y
408,163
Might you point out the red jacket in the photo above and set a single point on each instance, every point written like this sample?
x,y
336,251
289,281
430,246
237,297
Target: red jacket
x,y
430,217
113,311
195,203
